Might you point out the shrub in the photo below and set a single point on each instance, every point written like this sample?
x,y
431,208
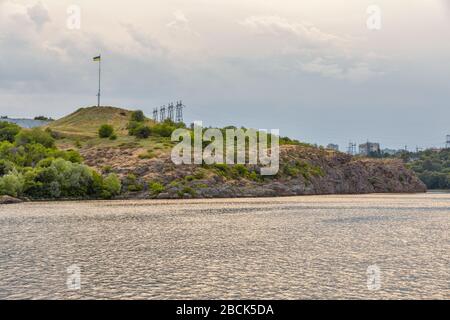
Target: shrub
x,y
156,188
148,155
187,190
165,128
138,116
142,132
55,178
106,169
240,170
8,131
54,134
105,131
200,174
113,137
11,184
72,156
131,127
35,135
111,186
5,167
132,183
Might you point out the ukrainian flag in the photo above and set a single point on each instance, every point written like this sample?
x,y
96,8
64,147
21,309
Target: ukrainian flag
x,y
98,58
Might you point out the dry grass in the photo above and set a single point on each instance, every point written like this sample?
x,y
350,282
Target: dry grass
x,y
85,122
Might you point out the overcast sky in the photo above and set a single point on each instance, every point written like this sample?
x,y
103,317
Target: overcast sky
x,y
312,69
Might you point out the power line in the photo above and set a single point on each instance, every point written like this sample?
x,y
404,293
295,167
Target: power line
x,y
162,113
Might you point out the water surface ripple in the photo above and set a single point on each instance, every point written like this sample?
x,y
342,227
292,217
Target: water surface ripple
x,y
313,247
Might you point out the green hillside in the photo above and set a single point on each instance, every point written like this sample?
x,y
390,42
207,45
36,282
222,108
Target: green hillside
x,y
85,122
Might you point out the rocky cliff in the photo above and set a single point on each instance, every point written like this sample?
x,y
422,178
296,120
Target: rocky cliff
x,y
303,171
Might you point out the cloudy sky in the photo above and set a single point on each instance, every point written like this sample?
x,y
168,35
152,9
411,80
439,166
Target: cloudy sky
x,y
313,69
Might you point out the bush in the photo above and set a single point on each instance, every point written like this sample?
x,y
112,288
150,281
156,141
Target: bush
x,y
8,131
111,186
138,116
72,156
105,131
107,169
6,167
148,155
11,184
34,168
35,135
142,132
156,188
132,126
165,129
132,183
54,134
435,180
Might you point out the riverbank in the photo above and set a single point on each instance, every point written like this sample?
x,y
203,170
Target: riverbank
x,y
303,170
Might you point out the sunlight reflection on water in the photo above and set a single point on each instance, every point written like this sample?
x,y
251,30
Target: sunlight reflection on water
x,y
284,248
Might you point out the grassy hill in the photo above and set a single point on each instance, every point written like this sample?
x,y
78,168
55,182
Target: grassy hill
x,y
142,167
85,122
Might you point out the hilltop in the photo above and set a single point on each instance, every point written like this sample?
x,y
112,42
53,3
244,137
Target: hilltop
x,y
85,122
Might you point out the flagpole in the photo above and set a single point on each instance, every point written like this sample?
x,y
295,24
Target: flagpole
x,y
99,79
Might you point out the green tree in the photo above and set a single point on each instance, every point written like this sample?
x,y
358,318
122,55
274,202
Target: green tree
x,y
11,184
8,131
138,116
111,185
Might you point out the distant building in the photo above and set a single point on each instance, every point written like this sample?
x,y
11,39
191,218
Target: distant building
x,y
369,148
333,146
25,123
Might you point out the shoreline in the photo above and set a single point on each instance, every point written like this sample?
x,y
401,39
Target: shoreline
x,y
155,200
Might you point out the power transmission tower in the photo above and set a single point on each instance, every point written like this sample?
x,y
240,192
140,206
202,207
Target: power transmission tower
x,y
179,111
447,142
170,112
162,113
155,114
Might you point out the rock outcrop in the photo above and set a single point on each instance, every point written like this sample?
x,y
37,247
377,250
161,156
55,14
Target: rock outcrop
x,y
303,171
9,200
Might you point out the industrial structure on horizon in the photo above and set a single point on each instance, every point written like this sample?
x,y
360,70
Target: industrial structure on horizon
x,y
159,114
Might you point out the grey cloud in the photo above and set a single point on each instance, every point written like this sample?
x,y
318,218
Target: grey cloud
x,y
146,41
181,24
38,13
305,32
356,72
311,83
312,50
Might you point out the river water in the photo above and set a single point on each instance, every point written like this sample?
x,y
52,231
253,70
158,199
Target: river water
x,y
315,247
